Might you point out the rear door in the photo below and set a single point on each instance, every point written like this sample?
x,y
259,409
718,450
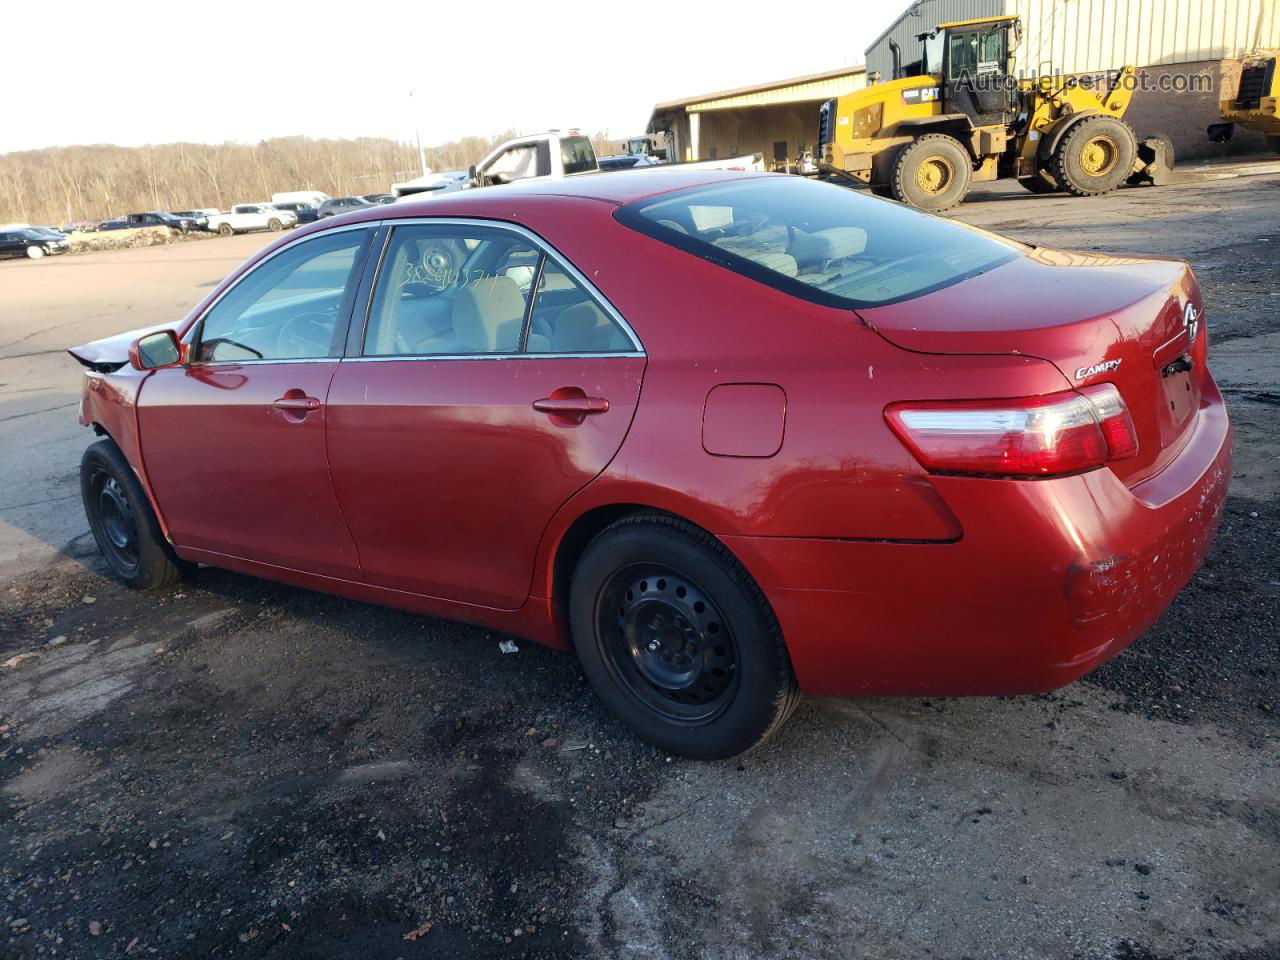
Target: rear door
x,y
234,440
490,384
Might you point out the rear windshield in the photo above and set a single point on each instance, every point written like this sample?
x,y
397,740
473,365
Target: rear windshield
x,y
824,243
576,155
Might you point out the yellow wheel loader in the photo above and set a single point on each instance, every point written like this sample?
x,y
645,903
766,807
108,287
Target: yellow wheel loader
x,y
965,117
1256,104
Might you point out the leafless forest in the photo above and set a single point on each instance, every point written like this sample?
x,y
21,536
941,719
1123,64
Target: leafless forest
x,y
59,184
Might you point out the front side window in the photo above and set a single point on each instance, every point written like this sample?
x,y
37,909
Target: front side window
x,y
464,290
517,163
820,242
288,307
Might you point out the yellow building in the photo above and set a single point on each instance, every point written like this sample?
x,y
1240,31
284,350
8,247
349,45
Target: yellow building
x,y
779,119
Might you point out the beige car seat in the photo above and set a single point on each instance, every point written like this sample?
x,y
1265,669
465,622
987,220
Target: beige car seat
x,y
487,316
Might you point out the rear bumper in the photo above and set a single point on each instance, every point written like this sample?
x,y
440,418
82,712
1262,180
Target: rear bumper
x,y
1049,579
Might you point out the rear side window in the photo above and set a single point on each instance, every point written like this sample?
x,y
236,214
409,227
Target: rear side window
x,y
576,155
817,241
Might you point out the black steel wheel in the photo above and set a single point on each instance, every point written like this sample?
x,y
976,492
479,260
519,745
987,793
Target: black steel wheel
x,y
665,640
678,640
122,521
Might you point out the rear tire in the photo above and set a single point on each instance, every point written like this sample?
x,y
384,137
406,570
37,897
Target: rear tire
x,y
225,230
1095,156
932,172
35,253
678,640
123,523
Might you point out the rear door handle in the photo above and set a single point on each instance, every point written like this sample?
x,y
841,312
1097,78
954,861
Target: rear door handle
x,y
297,403
572,406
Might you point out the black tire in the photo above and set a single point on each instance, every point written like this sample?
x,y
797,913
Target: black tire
x,y
1095,156
274,225
713,679
123,523
225,230
932,172
882,190
1040,182
1274,143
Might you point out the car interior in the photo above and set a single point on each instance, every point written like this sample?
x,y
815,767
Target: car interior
x,y
854,247
451,295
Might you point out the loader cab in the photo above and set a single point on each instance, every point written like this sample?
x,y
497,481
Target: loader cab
x,y
975,59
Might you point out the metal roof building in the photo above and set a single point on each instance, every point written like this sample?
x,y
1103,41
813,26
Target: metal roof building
x,y
778,119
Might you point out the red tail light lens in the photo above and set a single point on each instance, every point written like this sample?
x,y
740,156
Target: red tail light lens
x,y
1031,437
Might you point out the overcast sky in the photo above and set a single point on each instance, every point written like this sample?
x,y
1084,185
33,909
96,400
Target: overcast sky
x,y
137,71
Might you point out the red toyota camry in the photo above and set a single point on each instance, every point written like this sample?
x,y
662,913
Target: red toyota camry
x,y
731,438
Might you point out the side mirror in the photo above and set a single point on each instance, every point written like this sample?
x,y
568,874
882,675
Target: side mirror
x,y
155,350
473,175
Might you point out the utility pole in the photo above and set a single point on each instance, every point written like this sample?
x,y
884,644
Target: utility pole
x,y
417,135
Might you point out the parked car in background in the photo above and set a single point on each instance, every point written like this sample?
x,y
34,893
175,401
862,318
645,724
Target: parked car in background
x,y
81,226
32,242
339,205
116,223
872,467
380,197
198,218
305,212
245,217
626,161
157,218
432,183
313,197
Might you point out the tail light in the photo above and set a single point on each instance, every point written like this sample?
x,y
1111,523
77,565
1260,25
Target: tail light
x,y
1031,437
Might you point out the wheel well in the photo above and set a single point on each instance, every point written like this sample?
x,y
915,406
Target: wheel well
x,y
580,533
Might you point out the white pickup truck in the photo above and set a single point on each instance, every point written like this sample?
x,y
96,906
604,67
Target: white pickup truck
x,y
546,156
252,216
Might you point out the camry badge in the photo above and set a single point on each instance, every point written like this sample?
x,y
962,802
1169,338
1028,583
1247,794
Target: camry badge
x,y
1106,366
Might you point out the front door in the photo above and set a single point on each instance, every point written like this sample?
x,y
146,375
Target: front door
x,y
492,384
234,440
977,78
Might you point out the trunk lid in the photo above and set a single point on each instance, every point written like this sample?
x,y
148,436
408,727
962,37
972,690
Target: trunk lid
x,y
1135,322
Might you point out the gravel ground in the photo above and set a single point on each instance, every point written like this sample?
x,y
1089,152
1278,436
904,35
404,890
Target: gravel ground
x,y
240,769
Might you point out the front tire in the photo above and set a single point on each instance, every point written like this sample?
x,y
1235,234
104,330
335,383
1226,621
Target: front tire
x,y
1095,156
932,172
225,230
35,253
274,225
1274,144
123,523
678,640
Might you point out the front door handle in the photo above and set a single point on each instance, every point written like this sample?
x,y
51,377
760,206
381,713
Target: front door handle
x,y
302,404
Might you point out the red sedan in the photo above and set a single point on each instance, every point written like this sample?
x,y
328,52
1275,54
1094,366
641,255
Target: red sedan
x,y
731,438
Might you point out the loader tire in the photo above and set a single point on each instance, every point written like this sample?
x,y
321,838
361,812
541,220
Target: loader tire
x,y
1095,156
1274,143
1040,182
932,172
